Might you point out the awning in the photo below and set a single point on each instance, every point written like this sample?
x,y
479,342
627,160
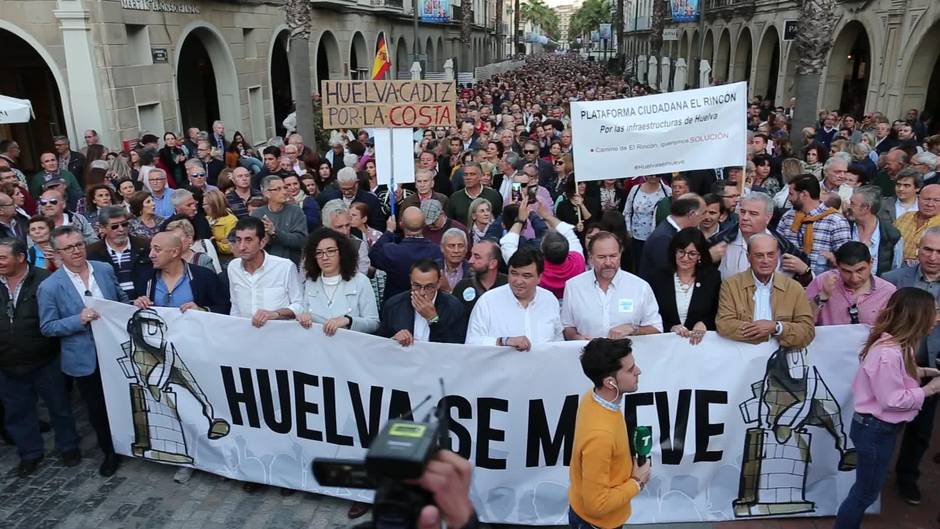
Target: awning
x,y
14,110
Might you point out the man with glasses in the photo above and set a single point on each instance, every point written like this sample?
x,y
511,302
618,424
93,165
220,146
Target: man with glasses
x,y
423,313
211,166
12,224
546,173
923,274
850,294
29,365
198,178
91,138
63,314
284,223
162,195
72,161
52,206
127,255
912,225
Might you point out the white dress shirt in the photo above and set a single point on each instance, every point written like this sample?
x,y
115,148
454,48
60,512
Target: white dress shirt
x,y
629,299
274,285
735,258
79,284
422,331
763,310
498,314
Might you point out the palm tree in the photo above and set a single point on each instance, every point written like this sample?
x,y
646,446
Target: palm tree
x,y
657,24
299,23
813,42
499,30
466,24
589,17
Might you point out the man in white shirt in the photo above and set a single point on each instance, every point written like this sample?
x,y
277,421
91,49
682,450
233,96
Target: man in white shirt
x,y
606,302
262,287
520,314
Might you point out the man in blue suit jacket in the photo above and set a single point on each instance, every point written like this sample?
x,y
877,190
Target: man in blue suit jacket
x,y
396,257
424,313
172,282
63,314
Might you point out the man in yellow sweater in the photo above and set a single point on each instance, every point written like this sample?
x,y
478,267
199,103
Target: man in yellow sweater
x,y
604,477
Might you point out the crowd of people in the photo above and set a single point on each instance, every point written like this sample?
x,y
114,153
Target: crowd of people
x,y
495,243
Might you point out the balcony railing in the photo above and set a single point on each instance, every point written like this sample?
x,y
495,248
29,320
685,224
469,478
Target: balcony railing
x,y
728,8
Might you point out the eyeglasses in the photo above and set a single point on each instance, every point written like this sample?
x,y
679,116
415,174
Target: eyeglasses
x,y
73,247
692,254
197,175
427,288
157,179
329,252
559,162
124,224
853,313
526,151
87,293
48,201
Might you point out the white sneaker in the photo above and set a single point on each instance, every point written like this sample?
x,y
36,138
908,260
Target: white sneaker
x,y
183,474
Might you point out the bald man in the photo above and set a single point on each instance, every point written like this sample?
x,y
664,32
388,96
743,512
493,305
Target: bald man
x,y
175,283
761,303
913,224
395,254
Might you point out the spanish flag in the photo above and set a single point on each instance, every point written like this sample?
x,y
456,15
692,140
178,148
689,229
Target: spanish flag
x,y
381,63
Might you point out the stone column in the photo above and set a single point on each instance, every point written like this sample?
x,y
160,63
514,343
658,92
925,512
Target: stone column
x,y
85,92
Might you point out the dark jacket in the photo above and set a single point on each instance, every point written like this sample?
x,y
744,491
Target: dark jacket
x,y
377,217
886,246
396,258
209,291
704,304
656,250
140,259
77,166
911,276
398,314
23,347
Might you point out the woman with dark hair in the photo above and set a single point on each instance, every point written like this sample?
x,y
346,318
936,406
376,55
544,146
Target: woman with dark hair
x,y
335,294
887,393
814,157
146,223
325,175
97,197
173,157
687,293
575,206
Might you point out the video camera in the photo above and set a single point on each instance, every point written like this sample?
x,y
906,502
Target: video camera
x,y
400,452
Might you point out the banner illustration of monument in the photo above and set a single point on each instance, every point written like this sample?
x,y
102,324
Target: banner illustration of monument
x,y
154,366
791,396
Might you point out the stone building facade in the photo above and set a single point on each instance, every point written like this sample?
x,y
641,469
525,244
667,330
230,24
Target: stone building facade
x,y
126,66
884,55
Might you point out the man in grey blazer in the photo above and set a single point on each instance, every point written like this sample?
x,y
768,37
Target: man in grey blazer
x,y
63,314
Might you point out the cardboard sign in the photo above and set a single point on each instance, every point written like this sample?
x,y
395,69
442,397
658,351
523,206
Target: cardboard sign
x,y
388,104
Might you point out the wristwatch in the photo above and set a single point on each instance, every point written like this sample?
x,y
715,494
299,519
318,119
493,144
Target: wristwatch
x,y
818,300
778,328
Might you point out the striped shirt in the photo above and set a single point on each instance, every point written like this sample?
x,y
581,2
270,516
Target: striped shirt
x,y
123,268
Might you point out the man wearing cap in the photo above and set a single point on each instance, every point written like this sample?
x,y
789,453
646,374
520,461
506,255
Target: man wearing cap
x,y
395,256
50,171
52,206
437,222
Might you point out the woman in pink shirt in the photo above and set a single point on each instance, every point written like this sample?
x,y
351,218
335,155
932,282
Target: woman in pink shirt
x,y
887,393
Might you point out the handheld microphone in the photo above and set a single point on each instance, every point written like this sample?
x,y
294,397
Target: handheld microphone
x,y
643,443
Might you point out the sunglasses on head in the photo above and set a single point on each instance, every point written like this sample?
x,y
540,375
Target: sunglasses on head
x,y
48,201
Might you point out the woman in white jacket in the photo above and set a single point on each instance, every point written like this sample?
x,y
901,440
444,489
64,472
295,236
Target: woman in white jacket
x,y
335,295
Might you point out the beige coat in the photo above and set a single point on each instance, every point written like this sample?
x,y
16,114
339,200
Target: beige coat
x,y
788,302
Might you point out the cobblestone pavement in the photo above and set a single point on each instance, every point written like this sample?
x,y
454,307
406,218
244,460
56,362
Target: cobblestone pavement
x,y
143,495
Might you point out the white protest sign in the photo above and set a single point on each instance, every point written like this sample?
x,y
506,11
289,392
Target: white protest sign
x,y
403,155
664,133
735,426
382,139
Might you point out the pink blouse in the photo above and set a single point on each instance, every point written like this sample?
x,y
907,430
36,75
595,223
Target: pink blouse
x,y
883,388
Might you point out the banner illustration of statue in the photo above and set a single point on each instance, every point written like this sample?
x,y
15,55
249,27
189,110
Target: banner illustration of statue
x,y
154,368
791,397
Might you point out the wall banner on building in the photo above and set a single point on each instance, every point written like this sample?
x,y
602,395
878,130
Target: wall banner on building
x,y
685,10
663,133
436,11
388,104
735,426
161,6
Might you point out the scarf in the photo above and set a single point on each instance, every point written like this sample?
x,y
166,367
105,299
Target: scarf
x,y
802,218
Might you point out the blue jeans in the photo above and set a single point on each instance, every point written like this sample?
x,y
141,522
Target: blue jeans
x,y
576,522
18,393
874,441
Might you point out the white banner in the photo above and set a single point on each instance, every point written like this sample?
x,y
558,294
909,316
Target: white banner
x,y
678,131
737,424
